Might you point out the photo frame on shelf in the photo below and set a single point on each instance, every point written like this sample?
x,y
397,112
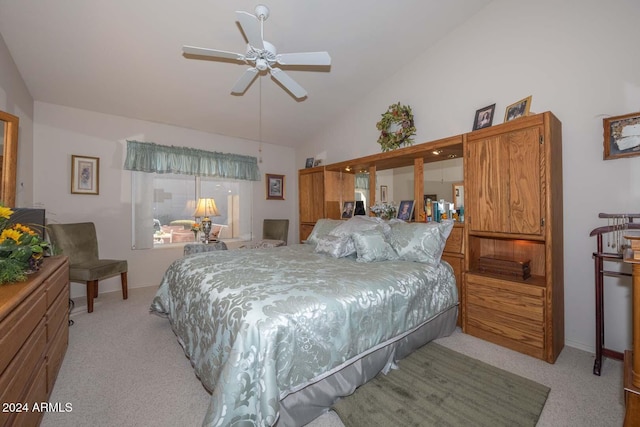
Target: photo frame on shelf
x,y
309,163
405,210
275,187
347,209
383,193
484,117
85,175
317,162
517,109
621,136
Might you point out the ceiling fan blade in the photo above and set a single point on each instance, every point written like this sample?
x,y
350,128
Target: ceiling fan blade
x,y
244,81
288,83
306,58
214,53
251,27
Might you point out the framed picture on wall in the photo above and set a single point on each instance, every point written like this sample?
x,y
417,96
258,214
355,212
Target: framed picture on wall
x,y
275,187
383,193
484,117
518,109
621,136
85,175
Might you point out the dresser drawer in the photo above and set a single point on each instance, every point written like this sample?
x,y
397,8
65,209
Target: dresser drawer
x,y
18,325
57,314
55,355
36,393
55,283
13,382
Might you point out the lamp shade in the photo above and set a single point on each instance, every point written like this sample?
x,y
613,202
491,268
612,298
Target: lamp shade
x,y
206,208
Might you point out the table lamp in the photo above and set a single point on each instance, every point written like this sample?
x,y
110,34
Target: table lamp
x,y
206,207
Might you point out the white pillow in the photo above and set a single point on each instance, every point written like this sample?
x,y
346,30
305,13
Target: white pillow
x,y
419,241
371,246
336,246
322,228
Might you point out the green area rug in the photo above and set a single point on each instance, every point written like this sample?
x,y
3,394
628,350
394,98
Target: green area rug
x,y
436,386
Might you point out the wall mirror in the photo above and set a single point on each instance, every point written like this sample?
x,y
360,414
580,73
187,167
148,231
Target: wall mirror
x,y
9,159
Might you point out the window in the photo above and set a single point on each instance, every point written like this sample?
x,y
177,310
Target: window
x,y
163,207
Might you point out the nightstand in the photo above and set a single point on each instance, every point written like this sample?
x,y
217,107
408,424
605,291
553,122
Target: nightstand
x,y
196,248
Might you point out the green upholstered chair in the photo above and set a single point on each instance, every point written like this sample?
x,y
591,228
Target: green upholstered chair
x,y
79,242
275,229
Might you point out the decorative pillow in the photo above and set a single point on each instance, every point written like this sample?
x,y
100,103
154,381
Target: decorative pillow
x,y
372,246
420,242
359,223
322,228
336,246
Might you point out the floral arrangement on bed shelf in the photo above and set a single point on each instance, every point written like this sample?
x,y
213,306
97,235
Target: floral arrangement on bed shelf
x,y
21,249
384,210
196,227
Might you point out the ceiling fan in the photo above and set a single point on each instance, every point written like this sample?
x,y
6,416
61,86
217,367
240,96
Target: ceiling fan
x,y
262,55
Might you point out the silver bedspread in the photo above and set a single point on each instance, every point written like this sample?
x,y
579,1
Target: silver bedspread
x,y
260,324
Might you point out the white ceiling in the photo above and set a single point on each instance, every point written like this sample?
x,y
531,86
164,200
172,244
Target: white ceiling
x,y
124,57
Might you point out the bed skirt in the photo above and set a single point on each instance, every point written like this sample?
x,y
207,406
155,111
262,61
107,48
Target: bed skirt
x,y
305,405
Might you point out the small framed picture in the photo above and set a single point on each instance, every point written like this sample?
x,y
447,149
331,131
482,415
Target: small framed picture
x,y
518,109
621,136
275,187
405,210
317,162
309,163
383,193
85,175
347,208
484,117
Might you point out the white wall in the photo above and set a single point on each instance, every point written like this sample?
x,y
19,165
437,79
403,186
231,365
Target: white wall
x,y
578,59
60,132
15,99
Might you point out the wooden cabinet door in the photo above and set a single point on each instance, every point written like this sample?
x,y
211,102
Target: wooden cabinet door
x,y
311,196
504,185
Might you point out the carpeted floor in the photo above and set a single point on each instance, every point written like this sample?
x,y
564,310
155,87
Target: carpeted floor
x,y
436,386
124,367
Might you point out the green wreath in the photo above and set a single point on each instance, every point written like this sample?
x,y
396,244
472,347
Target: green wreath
x,y
396,127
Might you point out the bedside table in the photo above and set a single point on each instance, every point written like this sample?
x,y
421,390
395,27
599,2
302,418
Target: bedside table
x,y
196,248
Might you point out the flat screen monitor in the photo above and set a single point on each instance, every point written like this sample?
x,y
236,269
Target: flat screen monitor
x,y
34,218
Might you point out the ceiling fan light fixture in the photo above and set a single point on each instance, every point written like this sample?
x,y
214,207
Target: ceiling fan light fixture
x,y
261,64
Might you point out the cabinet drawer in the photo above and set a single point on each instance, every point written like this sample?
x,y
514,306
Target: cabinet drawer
x,y
56,283
37,393
455,241
515,299
18,325
14,380
57,314
55,354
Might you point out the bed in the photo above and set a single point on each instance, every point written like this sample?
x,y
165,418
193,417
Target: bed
x,y
277,335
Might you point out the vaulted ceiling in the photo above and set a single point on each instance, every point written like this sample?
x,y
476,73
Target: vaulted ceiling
x,y
124,57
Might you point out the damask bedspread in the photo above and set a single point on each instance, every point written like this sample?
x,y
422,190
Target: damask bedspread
x,y
260,324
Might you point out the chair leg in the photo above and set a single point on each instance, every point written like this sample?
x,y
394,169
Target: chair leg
x,y
123,279
92,286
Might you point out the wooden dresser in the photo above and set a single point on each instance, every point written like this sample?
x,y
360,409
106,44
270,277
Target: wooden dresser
x,y
34,334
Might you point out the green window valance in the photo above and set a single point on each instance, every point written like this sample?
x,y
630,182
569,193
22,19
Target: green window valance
x,y
151,157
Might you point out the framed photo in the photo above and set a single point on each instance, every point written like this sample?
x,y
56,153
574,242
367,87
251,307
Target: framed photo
x,y
484,117
405,210
458,195
383,193
275,187
317,162
85,175
621,136
347,208
309,163
517,109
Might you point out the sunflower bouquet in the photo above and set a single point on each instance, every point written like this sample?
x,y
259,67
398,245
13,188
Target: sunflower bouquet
x,y
21,249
